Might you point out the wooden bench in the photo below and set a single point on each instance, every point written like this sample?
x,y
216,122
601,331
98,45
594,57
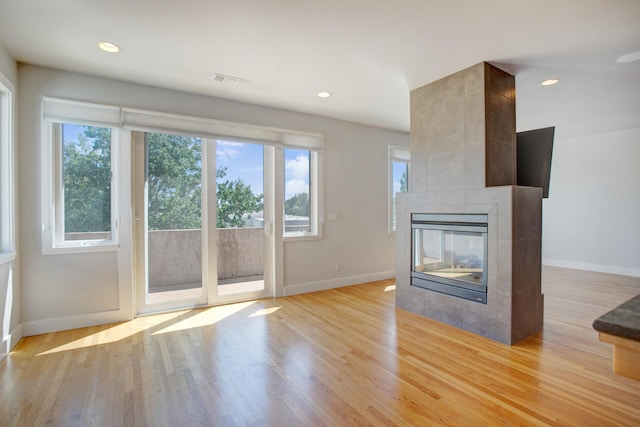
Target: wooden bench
x,y
621,327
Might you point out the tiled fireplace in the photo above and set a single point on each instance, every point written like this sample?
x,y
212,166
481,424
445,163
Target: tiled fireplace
x,y
484,278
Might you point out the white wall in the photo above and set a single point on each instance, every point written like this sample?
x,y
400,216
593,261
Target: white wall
x,y
68,289
356,188
10,331
591,220
8,66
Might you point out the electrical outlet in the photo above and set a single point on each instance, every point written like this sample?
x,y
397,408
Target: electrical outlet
x,y
338,266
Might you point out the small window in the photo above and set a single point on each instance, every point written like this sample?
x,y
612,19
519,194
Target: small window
x,y
398,179
83,193
301,191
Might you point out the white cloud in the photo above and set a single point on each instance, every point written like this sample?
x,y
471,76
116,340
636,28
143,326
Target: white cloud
x,y
227,151
296,186
297,176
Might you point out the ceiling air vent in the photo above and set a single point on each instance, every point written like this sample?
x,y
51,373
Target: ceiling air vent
x,y
229,80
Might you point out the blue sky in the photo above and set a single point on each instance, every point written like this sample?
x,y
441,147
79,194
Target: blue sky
x,y
244,161
398,169
71,132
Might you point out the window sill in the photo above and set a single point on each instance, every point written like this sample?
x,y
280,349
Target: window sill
x,y
302,237
7,257
81,249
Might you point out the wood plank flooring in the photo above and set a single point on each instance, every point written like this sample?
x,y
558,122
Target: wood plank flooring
x,y
344,357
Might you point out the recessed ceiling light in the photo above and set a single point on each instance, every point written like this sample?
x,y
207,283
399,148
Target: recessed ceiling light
x,y
549,82
324,94
629,57
109,47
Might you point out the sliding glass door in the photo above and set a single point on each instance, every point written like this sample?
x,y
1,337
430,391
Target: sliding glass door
x,y
201,227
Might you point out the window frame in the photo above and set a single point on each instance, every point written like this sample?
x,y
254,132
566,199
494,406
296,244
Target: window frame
x,y
7,171
53,241
396,154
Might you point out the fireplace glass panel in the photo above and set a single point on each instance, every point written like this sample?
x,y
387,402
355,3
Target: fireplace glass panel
x,y
449,254
456,255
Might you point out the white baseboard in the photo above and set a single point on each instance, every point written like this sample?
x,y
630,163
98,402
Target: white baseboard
x,y
611,269
64,323
303,288
10,341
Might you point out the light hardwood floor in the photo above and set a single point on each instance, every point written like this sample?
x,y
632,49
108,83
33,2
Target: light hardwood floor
x,y
338,358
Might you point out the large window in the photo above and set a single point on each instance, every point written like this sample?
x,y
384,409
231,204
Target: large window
x,y
301,191
398,179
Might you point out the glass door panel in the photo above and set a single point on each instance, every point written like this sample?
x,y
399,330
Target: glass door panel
x,y
173,240
240,219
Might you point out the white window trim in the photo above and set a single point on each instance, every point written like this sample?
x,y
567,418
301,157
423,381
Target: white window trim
x,y
53,241
396,154
7,170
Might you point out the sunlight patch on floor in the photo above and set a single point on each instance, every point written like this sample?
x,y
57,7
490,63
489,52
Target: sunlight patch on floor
x,y
265,311
206,317
113,333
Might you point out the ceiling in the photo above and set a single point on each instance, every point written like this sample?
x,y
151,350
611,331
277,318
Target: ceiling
x,y
367,54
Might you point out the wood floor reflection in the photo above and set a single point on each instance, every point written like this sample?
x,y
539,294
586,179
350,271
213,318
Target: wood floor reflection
x,y
336,358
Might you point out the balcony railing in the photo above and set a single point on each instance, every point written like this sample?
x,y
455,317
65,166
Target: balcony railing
x,y
175,256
